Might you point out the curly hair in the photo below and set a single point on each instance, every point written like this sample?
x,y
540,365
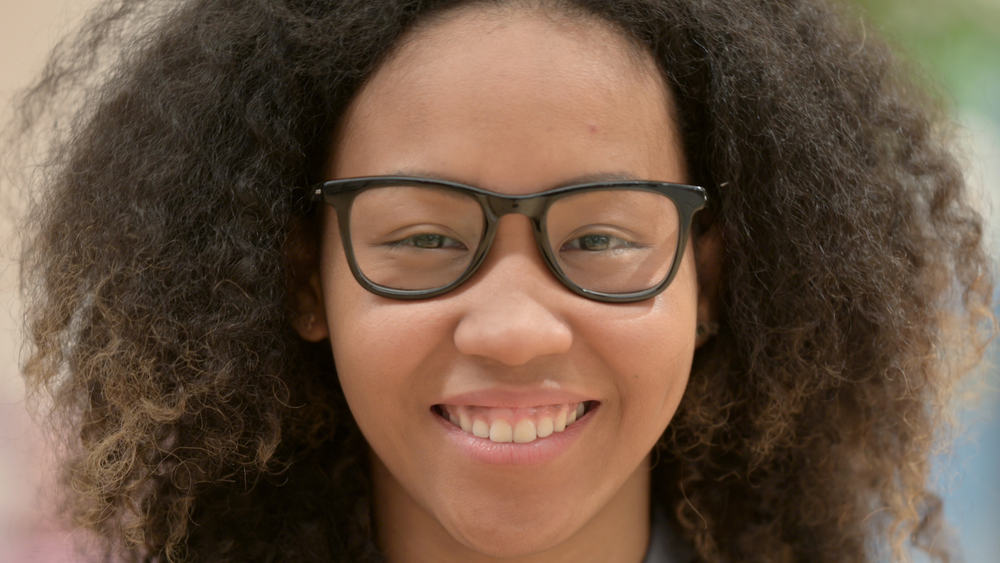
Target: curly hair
x,y
854,288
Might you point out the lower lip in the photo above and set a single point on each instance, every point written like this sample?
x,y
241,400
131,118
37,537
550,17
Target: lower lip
x,y
541,451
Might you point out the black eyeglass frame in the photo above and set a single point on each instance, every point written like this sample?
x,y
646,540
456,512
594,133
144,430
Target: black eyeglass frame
x,y
341,193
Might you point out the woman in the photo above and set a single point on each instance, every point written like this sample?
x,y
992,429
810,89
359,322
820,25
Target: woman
x,y
619,281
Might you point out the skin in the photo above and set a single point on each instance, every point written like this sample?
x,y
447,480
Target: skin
x,y
481,96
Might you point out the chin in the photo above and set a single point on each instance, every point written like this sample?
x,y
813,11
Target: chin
x,y
509,538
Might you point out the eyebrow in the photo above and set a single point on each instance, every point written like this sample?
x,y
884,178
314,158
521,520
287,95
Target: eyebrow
x,y
581,179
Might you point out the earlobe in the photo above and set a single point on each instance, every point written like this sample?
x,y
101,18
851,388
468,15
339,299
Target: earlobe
x,y
309,317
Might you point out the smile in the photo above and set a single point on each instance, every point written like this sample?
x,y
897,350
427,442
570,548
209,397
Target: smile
x,y
518,425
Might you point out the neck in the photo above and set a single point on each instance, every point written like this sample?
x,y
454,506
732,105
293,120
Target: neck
x,y
409,533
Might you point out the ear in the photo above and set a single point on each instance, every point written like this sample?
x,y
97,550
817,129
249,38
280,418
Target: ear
x,y
307,313
708,247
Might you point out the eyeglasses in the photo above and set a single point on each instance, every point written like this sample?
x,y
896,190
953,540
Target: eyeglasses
x,y
414,238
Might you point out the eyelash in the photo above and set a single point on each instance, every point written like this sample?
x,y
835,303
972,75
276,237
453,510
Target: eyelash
x,y
410,241
611,239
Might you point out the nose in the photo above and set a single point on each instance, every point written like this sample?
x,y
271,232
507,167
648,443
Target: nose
x,y
512,312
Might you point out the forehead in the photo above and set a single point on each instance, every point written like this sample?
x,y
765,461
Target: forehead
x,y
516,83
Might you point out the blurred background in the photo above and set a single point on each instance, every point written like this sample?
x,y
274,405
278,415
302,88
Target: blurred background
x,y
954,44
957,45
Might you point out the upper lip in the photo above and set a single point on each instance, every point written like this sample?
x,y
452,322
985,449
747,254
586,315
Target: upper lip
x,y
515,398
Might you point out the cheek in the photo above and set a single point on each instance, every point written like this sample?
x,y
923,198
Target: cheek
x,y
652,353
364,346
377,343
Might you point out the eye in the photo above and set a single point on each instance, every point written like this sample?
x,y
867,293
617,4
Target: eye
x,y
428,241
596,242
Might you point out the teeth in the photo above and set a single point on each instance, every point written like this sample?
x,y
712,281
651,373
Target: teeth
x,y
545,427
522,426
500,431
481,430
524,432
559,424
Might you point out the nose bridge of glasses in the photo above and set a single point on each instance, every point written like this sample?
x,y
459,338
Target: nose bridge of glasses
x,y
500,205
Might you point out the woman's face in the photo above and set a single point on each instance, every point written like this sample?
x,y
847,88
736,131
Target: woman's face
x,y
515,102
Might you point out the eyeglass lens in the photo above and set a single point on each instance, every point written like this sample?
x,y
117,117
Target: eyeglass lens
x,y
423,237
